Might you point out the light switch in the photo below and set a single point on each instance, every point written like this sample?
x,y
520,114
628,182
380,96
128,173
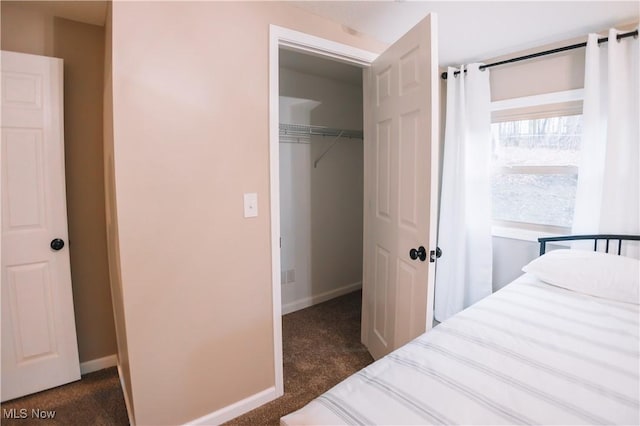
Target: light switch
x,y
250,204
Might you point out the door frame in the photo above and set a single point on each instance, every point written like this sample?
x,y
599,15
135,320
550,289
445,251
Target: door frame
x,y
280,37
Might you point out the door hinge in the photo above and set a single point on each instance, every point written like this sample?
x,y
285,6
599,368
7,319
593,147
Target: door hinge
x,y
434,254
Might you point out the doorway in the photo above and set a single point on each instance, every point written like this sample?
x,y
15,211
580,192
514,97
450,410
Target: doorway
x,y
321,179
299,43
400,111
321,218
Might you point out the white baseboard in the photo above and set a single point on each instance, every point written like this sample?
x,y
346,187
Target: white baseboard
x,y
296,305
127,403
98,364
237,408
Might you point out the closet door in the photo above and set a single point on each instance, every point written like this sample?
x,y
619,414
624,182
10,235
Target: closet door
x,y
401,181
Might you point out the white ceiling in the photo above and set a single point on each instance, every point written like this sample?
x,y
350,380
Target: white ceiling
x,y
478,30
469,31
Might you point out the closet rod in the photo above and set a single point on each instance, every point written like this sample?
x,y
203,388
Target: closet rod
x,y
547,52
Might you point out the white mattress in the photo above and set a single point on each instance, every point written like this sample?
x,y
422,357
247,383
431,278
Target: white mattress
x,y
529,354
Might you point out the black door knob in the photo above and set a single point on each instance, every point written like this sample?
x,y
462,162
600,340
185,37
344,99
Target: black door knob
x,y
420,253
57,244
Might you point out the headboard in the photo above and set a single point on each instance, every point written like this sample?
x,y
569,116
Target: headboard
x,y
596,237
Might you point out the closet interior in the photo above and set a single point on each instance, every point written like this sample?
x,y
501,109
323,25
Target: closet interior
x,y
321,179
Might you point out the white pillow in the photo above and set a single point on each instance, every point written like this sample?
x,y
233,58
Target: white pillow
x,y
595,273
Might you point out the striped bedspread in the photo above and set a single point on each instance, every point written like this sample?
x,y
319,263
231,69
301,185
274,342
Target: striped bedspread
x,y
529,354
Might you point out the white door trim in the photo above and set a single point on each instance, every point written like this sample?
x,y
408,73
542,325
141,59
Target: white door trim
x,y
293,40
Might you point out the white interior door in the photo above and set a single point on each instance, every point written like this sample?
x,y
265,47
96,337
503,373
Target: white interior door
x,y
401,177
39,346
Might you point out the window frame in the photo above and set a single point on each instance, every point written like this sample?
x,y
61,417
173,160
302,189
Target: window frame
x,y
567,102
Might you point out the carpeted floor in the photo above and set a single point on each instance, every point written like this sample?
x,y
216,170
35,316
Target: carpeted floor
x,y
321,347
95,400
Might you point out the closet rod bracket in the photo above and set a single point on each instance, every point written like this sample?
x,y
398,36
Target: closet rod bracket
x,y
335,141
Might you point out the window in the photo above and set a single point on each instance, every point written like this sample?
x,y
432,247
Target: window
x,y
535,165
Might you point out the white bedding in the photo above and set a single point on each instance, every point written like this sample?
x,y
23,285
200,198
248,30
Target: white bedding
x,y
531,353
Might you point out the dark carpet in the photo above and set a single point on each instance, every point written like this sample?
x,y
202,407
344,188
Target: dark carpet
x,y
95,400
321,347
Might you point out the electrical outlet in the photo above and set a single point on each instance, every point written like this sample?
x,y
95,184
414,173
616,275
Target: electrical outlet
x,y
291,276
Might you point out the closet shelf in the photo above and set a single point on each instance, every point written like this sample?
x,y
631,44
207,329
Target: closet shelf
x,y
301,133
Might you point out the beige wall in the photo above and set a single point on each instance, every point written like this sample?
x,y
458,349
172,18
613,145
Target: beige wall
x,y
112,223
190,103
30,28
547,74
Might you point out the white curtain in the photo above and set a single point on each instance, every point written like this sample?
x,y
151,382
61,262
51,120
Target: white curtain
x,y
608,190
464,272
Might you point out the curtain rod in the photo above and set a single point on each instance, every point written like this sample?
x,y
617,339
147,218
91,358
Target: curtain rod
x,y
547,52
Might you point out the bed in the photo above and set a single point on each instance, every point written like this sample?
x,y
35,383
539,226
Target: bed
x,y
559,345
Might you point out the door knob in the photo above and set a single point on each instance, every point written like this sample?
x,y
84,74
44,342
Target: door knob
x,y
57,244
420,253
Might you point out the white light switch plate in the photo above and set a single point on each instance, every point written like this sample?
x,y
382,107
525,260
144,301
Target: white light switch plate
x,y
250,204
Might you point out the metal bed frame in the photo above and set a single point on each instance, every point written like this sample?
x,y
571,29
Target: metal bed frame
x,y
595,237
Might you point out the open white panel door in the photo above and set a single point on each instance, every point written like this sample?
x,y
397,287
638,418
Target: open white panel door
x,y
401,181
39,346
